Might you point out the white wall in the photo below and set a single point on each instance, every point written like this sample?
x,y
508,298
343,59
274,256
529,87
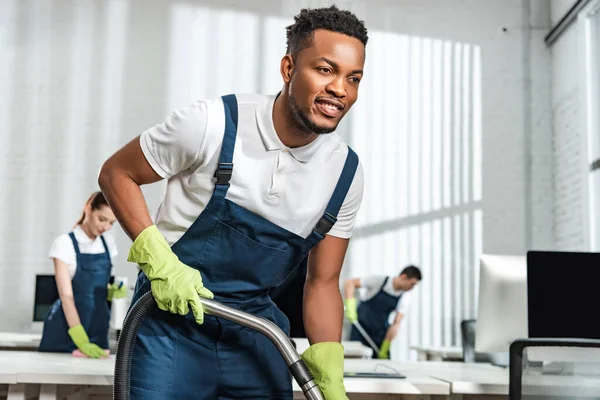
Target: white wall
x,y
79,79
558,8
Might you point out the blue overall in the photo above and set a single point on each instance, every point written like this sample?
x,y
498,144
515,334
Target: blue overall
x,y
89,291
240,255
373,316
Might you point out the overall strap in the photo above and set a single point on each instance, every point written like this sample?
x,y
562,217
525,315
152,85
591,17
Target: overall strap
x,y
75,244
106,249
384,282
225,168
329,218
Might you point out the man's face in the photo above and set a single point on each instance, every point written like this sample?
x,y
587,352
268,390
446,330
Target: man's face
x,y
324,83
407,283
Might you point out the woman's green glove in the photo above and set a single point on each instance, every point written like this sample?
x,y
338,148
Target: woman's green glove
x,y
82,341
325,361
174,284
116,292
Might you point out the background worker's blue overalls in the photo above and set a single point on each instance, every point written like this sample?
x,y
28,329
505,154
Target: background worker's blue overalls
x,y
240,255
373,316
89,292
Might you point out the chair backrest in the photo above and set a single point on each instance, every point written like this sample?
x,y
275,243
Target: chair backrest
x,y
467,330
559,369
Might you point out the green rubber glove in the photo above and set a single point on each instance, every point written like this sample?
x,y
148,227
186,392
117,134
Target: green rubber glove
x,y
384,350
116,292
82,341
174,284
325,361
351,313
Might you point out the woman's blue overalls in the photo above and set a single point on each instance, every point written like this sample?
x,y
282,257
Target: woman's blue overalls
x,y
373,316
240,255
89,292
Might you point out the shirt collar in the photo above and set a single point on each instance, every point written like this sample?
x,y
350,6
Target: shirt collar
x,y
266,129
81,236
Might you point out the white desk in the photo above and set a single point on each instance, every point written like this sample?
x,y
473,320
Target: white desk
x,y
473,380
480,380
468,379
50,375
19,341
31,341
565,386
7,377
438,353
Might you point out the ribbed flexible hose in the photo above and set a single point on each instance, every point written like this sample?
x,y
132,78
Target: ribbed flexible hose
x,y
142,307
133,321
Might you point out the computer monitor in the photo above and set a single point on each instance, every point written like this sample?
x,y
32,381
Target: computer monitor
x,y
46,293
562,294
502,303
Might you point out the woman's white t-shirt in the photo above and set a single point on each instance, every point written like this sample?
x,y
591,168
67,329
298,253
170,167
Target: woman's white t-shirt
x,y
62,248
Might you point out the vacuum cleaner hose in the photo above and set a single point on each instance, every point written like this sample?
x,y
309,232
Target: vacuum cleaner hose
x,y
142,307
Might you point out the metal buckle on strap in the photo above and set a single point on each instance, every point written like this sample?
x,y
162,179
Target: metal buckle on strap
x,y
325,224
223,173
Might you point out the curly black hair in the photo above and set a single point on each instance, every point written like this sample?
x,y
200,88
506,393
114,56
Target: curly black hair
x,y
300,34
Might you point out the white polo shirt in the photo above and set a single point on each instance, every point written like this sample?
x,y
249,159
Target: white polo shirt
x,y
373,283
62,248
288,186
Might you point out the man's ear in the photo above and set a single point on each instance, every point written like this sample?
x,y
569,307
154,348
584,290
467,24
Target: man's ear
x,y
287,68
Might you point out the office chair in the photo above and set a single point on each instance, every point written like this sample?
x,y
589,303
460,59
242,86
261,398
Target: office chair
x,y
554,368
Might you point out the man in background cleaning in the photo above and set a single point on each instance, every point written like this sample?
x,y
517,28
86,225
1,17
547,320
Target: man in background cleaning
x,y
385,294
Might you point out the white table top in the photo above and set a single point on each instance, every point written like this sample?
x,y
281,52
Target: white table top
x,y
17,340
416,382
7,374
428,377
473,378
35,367
557,385
54,368
463,378
13,339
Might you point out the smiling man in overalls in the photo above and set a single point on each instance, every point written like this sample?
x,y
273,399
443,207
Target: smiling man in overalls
x,y
257,187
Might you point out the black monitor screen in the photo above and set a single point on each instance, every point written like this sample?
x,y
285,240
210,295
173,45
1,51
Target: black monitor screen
x,y
563,294
45,294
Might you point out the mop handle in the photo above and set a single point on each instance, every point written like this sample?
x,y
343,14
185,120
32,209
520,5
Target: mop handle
x,y
364,334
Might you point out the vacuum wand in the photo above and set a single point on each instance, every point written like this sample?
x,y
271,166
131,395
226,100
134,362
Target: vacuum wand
x,y
269,329
364,334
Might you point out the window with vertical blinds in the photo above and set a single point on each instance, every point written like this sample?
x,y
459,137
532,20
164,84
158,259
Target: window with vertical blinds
x,y
418,127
